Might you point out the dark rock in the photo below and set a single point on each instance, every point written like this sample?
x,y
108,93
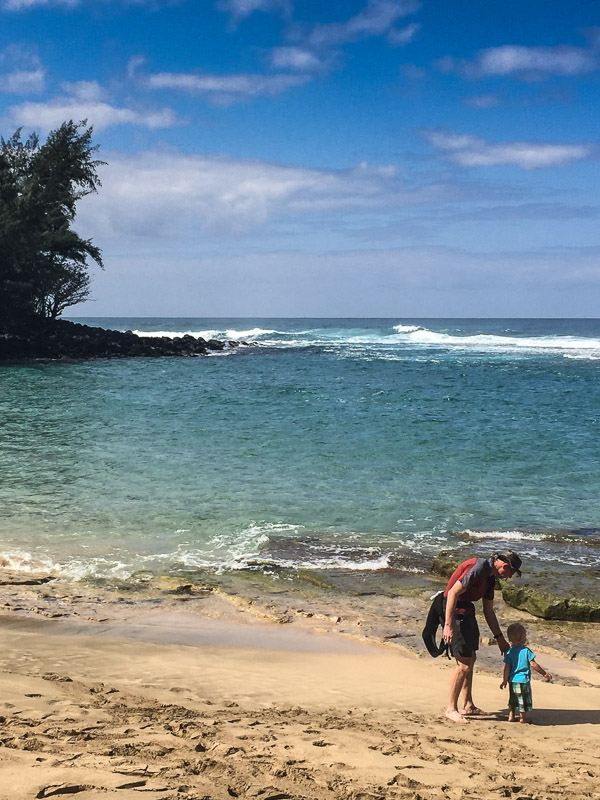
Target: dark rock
x,y
40,338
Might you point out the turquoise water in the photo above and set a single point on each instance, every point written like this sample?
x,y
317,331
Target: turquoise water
x,y
363,443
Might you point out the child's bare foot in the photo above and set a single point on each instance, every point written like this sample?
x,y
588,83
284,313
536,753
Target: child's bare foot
x,y
511,716
456,716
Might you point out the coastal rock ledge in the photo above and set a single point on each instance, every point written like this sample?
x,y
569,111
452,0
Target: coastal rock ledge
x,y
62,339
573,604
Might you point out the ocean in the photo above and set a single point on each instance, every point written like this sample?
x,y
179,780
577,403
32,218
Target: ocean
x,y
351,444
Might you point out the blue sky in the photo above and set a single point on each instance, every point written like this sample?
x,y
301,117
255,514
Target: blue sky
x,y
354,158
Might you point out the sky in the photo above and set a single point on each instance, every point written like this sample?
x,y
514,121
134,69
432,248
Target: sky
x,y
355,158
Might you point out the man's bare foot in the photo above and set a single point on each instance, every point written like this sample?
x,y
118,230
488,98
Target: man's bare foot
x,y
456,716
473,711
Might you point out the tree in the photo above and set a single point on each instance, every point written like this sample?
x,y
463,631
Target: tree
x,y
43,261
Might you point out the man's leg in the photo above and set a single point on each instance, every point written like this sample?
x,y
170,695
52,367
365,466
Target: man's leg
x,y
467,689
468,707
470,634
462,676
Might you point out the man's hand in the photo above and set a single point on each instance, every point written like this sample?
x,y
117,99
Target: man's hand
x,y
503,644
448,633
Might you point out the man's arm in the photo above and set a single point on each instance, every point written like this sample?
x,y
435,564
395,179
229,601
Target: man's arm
x,y
451,601
492,621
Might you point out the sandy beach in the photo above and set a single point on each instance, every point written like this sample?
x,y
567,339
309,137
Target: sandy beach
x,y
175,703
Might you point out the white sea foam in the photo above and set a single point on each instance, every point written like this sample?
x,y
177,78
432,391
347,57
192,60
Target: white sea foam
x,y
248,550
383,562
535,536
74,569
400,336
22,561
215,333
211,334
253,333
493,341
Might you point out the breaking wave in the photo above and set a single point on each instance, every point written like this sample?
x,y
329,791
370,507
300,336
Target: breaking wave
x,y
390,342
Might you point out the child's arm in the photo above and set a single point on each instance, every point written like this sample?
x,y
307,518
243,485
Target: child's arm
x,y
546,675
505,676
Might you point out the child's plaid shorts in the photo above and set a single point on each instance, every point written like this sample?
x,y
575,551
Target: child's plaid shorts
x,y
519,697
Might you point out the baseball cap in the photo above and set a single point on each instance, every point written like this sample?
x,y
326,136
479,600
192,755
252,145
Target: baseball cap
x,y
512,559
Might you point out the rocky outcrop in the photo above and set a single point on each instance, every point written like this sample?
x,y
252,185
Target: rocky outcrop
x,y
550,606
531,598
444,564
61,339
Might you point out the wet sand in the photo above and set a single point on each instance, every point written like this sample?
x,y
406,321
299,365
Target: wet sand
x,y
218,696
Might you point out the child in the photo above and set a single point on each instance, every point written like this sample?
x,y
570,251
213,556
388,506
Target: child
x,y
518,661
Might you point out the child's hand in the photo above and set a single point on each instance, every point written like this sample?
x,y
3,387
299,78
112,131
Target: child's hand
x,y
503,685
548,677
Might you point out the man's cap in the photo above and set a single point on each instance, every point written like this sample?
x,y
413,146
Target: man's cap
x,y
512,559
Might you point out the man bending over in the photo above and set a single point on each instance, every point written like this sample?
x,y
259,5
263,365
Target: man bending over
x,y
474,579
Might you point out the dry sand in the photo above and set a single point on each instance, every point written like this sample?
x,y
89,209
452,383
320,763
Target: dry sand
x,y
256,710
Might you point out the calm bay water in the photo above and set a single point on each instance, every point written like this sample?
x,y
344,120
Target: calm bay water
x,y
359,443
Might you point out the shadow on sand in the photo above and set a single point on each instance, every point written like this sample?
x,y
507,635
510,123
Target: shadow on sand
x,y
553,716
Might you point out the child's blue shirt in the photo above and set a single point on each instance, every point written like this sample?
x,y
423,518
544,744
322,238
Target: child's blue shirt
x,y
519,657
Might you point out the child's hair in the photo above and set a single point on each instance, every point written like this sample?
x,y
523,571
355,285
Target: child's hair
x,y
515,631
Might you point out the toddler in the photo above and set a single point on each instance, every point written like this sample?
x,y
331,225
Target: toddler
x,y
518,661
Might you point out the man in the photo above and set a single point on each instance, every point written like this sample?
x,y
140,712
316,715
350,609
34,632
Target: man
x,y
474,579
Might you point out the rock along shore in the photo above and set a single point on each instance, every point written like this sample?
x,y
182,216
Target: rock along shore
x,y
62,339
570,597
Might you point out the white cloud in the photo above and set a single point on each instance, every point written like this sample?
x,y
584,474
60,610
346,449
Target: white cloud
x,y
23,81
22,5
375,20
86,91
543,60
473,151
239,9
134,63
164,193
403,36
45,116
482,101
525,62
297,58
21,71
226,89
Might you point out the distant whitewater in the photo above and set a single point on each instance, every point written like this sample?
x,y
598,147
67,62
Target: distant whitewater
x,y
522,335
351,444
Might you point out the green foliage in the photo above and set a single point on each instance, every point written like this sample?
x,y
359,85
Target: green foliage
x,y
43,261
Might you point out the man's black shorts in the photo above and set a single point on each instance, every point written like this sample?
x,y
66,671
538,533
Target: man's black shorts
x,y
465,641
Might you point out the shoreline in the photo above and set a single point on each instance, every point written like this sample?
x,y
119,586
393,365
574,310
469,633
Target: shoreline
x,y
381,611
107,716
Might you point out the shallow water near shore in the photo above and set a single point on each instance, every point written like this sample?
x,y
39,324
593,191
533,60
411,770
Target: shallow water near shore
x,y
340,447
